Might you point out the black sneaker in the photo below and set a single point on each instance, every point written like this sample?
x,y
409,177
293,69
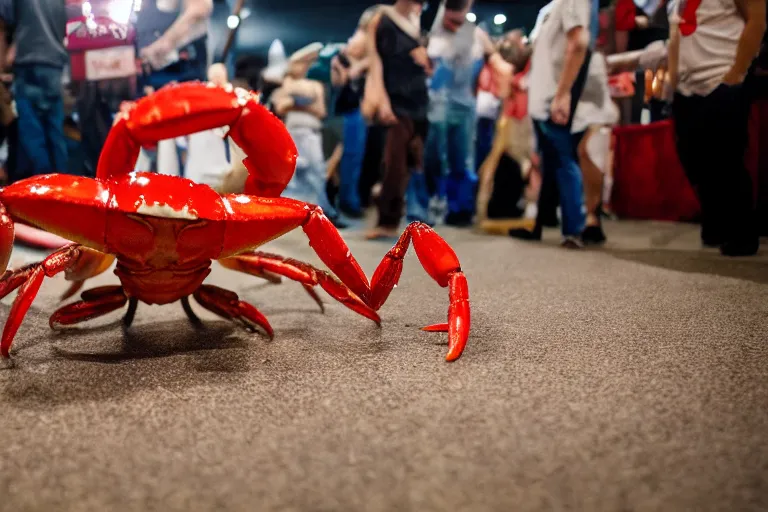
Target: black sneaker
x,y
593,235
744,247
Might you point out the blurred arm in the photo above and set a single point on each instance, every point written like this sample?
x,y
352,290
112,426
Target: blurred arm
x,y
753,12
195,12
575,53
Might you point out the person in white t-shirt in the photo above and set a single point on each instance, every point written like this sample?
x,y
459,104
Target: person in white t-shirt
x,y
712,45
558,73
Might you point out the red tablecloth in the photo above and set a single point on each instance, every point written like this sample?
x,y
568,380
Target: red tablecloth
x,y
648,181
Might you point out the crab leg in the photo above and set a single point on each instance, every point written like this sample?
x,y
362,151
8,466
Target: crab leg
x,y
28,279
303,273
442,264
96,302
228,305
434,253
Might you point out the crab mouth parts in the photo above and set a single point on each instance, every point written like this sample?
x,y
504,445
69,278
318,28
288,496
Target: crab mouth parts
x,y
164,210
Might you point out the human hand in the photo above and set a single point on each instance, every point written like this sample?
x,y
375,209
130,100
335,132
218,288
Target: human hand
x,y
641,22
386,115
560,108
283,104
420,57
157,53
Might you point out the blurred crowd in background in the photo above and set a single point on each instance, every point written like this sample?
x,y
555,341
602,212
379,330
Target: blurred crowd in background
x,y
445,123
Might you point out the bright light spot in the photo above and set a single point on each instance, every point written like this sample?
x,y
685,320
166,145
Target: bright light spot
x,y
499,19
120,12
471,17
39,190
137,5
244,13
87,9
233,21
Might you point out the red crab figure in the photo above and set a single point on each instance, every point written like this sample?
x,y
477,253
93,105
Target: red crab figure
x,y
164,231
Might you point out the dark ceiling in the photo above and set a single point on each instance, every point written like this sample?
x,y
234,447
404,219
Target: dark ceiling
x,y
299,22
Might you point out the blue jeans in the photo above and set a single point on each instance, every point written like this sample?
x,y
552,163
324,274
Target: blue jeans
x,y
355,133
42,145
456,179
429,182
559,162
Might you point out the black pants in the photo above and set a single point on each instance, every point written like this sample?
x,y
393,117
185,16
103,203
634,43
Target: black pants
x,y
711,134
371,171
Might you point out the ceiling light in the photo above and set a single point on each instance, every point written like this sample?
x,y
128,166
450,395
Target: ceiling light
x,y
233,22
499,19
471,17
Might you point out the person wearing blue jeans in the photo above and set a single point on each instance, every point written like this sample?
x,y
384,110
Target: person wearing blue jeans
x,y
461,178
458,50
40,28
559,67
40,107
557,147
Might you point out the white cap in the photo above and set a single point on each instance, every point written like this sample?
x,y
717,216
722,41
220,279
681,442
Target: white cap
x,y
277,62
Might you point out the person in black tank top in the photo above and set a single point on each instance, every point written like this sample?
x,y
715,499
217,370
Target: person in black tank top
x,y
396,95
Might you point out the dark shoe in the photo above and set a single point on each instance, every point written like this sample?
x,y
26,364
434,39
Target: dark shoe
x,y
459,219
745,247
525,234
711,237
593,235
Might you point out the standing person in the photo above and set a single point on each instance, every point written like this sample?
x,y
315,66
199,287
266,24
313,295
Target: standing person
x,y
94,26
348,73
301,102
459,49
396,95
40,27
559,63
172,38
712,46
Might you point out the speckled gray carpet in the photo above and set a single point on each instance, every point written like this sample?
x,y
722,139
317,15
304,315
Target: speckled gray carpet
x,y
629,378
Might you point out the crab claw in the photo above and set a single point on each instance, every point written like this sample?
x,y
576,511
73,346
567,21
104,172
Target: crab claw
x,y
458,315
260,138
442,265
